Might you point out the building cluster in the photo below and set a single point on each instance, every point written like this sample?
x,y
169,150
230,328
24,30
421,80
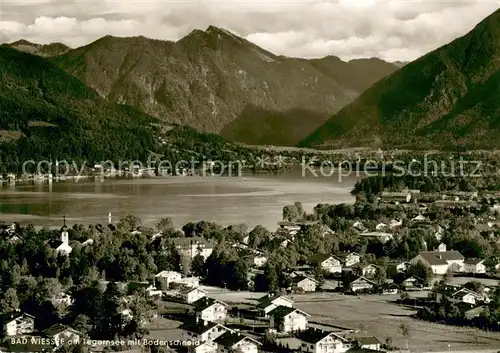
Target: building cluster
x,y
18,330
211,324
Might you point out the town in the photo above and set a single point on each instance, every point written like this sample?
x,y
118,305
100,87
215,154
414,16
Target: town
x,y
396,271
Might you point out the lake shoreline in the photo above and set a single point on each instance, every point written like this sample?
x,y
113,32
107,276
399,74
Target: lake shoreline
x,y
248,199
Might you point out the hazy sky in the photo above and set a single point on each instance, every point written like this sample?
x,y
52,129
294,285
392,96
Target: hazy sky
x,y
392,30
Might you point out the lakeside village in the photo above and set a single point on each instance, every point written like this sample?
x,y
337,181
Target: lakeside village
x,y
255,160
209,289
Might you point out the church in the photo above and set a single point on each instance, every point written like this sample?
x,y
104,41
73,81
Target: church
x,y
61,246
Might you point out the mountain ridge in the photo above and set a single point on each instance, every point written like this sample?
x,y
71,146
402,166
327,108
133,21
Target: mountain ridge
x,y
447,98
208,78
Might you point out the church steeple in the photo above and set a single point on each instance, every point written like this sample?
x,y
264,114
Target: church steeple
x,y
64,232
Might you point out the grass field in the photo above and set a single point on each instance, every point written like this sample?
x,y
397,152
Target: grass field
x,y
377,315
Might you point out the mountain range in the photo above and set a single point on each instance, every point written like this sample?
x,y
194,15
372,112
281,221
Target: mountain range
x,y
218,82
449,98
48,114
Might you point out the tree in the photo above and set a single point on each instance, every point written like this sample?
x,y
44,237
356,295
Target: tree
x,y
197,265
110,322
9,301
129,223
405,332
185,264
164,225
448,276
421,271
258,236
82,323
271,277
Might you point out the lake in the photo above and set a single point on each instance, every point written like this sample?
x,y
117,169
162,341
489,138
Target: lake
x,y
250,199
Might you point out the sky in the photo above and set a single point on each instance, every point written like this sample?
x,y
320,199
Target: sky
x,y
393,30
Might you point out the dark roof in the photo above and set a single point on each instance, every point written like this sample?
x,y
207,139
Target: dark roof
x,y
205,302
282,311
343,255
440,257
363,279
265,303
229,339
319,258
189,290
363,341
57,328
301,278
8,317
445,289
54,243
473,261
313,335
464,307
198,327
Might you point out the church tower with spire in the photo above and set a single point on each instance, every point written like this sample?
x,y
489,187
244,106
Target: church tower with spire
x,y
64,232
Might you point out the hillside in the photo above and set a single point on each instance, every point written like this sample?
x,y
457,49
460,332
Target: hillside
x,y
211,78
45,50
448,98
48,114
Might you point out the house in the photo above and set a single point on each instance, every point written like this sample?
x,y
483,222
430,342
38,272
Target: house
x,y
269,302
152,291
349,259
419,218
306,284
191,282
192,246
474,266
470,312
395,223
395,197
191,295
62,299
259,260
361,283
168,277
88,242
291,227
369,343
236,342
380,236
368,270
62,246
285,319
390,288
401,266
62,335
328,263
209,309
359,226
464,296
202,347
411,283
441,260
203,331
17,323
314,340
